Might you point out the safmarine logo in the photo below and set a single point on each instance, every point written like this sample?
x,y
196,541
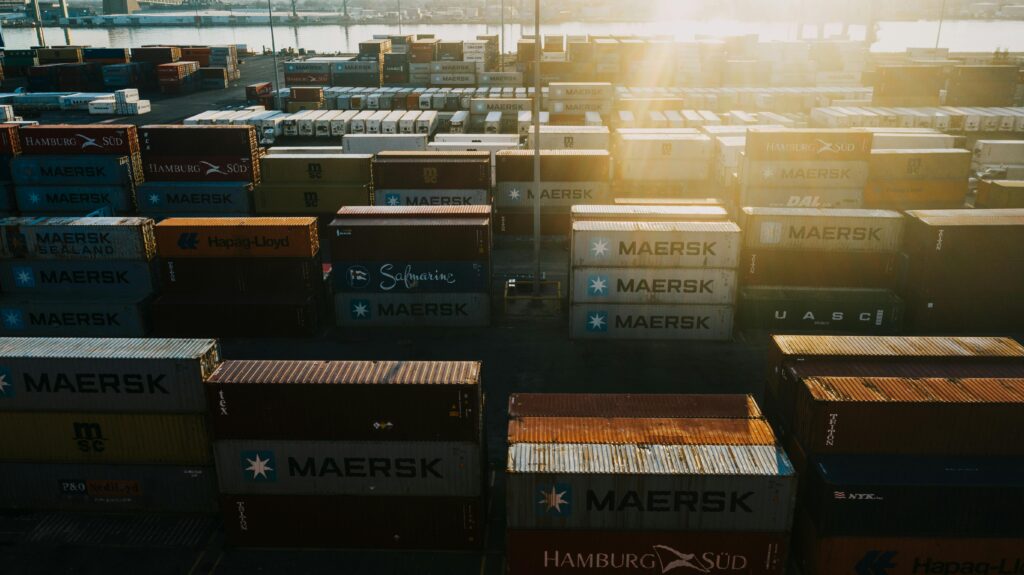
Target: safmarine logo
x,y
360,309
188,241
392,200
597,322
876,563
13,319
23,277
358,276
6,383
597,285
555,499
259,466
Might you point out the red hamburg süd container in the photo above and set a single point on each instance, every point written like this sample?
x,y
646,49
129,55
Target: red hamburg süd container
x,y
205,168
106,139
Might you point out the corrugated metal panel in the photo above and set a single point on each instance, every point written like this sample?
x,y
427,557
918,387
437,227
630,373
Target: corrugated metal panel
x,y
654,285
777,267
930,390
808,144
365,212
148,530
660,405
349,467
24,315
373,522
413,309
648,431
73,199
900,368
816,175
72,170
578,458
652,322
812,228
82,277
77,238
656,244
465,197
105,375
177,198
796,310
279,277
104,438
968,217
348,372
113,488
553,194
596,552
875,346
214,315
237,237
648,212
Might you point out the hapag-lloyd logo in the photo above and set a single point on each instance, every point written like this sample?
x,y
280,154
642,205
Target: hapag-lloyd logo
x,y
661,559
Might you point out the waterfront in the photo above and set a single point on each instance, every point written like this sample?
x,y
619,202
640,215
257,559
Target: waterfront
x,y
957,35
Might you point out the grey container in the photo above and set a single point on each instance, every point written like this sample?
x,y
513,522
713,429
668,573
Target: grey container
x,y
75,170
349,467
373,143
413,310
67,317
814,175
802,197
552,194
654,285
77,238
655,244
651,322
105,375
131,278
822,229
659,487
109,488
431,197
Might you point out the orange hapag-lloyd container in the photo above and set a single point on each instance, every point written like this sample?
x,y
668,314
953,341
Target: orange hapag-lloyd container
x,y
237,237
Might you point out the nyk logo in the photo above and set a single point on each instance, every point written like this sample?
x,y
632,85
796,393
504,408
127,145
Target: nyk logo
x,y
188,241
846,496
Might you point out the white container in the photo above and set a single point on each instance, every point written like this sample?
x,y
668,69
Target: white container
x,y
407,124
390,123
459,124
654,285
102,107
357,125
426,123
655,244
374,143
572,138
492,123
651,322
373,123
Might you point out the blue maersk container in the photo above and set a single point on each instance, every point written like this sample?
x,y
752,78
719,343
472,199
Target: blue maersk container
x,y
195,198
410,277
72,171
73,317
78,200
121,278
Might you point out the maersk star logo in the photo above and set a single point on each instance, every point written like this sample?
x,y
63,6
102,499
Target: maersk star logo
x,y
259,465
514,194
360,309
768,173
154,199
597,321
23,277
12,318
597,285
34,198
599,247
392,200
6,383
555,499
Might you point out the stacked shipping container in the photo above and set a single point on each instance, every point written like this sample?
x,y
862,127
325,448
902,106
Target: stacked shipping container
x,y
312,184
432,178
917,179
110,425
10,146
884,432
412,266
350,454
81,277
820,270
240,277
645,484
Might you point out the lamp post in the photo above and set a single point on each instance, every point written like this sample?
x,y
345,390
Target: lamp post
x,y
536,147
942,16
273,48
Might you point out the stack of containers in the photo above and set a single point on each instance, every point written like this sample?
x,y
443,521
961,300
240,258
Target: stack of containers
x,y
883,431
917,179
349,454
122,75
312,184
663,164
178,77
432,178
1000,194
568,178
198,169
421,53
357,72
963,271
307,73
81,277
452,73
475,51
396,69
127,102
226,57
1005,156
305,98
71,169
652,275
112,425
814,270
804,168
441,279
578,98
10,147
645,483
247,277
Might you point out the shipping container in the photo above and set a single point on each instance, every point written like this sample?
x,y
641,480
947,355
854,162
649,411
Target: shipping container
x,y
807,174
605,405
73,199
536,552
373,522
346,400
915,194
374,468
1000,194
818,268
316,169
451,238
807,145
920,164
242,276
195,168
629,487
25,315
73,170
308,199
130,279
220,315
374,143
200,198
237,237
956,313
366,276
655,244
952,237
428,197
411,212
203,141
640,431
10,140
104,438
432,170
653,285
648,213
413,309
826,230
847,198
555,165
553,194
92,139
108,488
651,322
95,238
807,309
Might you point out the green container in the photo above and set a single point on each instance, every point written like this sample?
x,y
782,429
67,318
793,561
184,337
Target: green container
x,y
820,310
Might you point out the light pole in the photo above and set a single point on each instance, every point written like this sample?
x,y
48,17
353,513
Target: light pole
x,y
942,16
501,40
273,48
536,147
399,16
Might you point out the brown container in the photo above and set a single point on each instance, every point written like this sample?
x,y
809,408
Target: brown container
x,y
646,431
536,552
662,405
411,239
770,267
200,168
818,555
434,171
237,237
156,54
351,521
10,142
920,164
520,223
555,165
307,94
915,194
820,145
346,400
909,416
960,237
1000,194
297,79
180,140
413,212
106,139
231,315
316,169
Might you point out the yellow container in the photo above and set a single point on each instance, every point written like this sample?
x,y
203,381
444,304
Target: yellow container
x,y
318,200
